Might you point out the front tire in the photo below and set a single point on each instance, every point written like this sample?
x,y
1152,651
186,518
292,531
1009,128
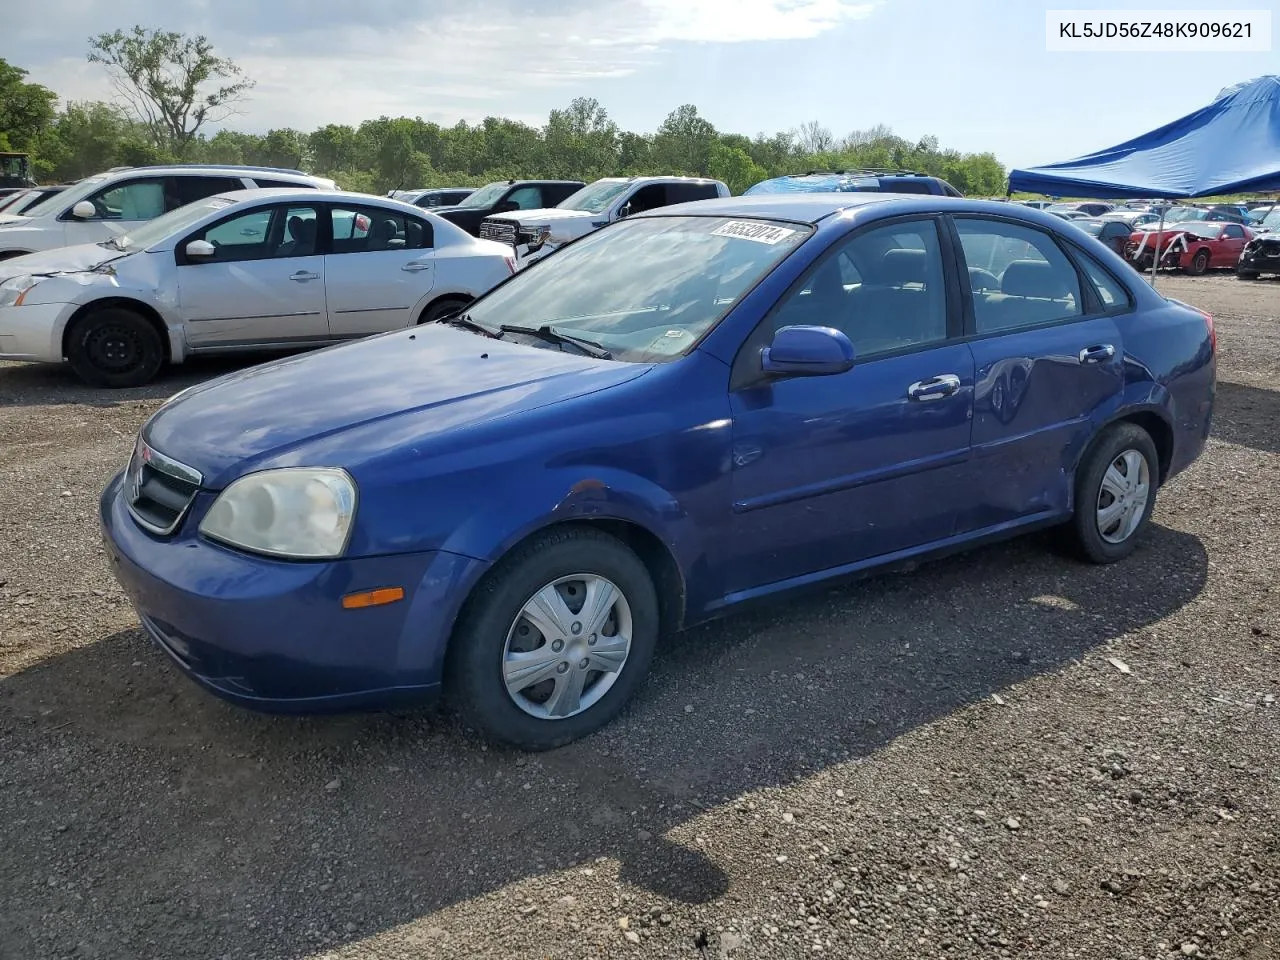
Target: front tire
x,y
1199,263
115,347
442,308
1115,493
1247,274
554,641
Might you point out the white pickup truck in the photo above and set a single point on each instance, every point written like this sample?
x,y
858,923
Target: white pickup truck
x,y
536,233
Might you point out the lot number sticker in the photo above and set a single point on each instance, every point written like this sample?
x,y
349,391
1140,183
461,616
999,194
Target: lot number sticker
x,y
747,230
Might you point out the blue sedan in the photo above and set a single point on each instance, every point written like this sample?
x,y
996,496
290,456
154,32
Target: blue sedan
x,y
695,407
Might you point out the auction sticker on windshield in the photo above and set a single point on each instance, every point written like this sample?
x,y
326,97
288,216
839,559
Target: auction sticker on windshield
x,y
748,230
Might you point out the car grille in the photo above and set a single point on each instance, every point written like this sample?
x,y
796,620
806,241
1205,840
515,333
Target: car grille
x,y
159,489
500,231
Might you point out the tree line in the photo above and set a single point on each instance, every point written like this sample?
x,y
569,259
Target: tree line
x,y
170,88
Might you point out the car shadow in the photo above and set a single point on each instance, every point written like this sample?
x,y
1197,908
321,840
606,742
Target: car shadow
x,y
46,384
1247,416
174,813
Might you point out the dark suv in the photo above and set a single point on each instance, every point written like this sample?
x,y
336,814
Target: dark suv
x,y
505,196
856,181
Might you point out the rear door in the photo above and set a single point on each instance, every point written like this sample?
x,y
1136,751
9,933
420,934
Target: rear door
x,y
264,286
379,266
1049,363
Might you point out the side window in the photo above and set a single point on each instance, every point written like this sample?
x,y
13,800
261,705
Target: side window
x,y
648,198
907,186
287,184
184,190
555,192
526,198
132,200
686,192
882,287
263,234
375,229
1110,292
1233,232
1019,276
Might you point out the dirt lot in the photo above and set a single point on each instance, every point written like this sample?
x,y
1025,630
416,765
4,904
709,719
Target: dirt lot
x,y
1001,754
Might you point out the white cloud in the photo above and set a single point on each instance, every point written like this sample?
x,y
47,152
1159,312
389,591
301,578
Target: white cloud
x,y
322,61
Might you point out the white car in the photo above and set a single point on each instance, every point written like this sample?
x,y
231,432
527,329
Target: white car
x,y
248,270
100,207
534,234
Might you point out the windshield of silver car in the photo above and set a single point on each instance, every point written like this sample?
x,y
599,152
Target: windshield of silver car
x,y
645,289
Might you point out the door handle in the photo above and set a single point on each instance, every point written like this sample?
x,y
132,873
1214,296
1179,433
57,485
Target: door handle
x,y
935,388
303,275
415,266
1097,353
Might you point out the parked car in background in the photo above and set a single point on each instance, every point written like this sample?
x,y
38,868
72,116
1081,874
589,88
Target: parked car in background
x,y
246,270
1229,213
435,196
695,407
1113,233
1135,218
1191,245
22,201
1261,255
100,207
1036,204
1068,214
1258,214
15,171
534,234
506,196
1090,208
855,181
1270,222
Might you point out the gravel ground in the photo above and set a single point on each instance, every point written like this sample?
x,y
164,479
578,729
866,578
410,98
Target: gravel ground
x,y
1000,754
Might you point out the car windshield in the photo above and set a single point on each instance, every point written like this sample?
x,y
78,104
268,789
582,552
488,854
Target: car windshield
x,y
1272,220
1207,230
1182,214
594,197
486,195
57,202
645,289
1093,227
153,231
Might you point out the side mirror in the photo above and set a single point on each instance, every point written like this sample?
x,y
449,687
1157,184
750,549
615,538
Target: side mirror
x,y
624,211
84,210
807,352
201,250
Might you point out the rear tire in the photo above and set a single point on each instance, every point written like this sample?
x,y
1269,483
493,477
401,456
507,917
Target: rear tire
x,y
1115,493
115,347
443,308
506,623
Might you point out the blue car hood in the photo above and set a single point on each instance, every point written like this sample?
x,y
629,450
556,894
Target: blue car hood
x,y
443,378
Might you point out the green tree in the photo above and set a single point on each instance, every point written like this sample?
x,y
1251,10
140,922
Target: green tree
x,y
333,147
683,143
170,83
580,141
281,148
734,167
83,139
26,109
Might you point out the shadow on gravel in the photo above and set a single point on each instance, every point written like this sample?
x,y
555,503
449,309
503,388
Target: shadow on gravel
x,y
44,384
1249,416
136,809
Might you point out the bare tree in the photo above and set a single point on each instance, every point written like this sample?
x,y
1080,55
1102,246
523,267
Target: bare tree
x,y
860,138
813,137
171,83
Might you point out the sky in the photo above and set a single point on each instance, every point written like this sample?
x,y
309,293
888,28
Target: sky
x,y
973,73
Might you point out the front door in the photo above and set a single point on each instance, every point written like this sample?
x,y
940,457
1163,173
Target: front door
x,y
832,470
378,268
1049,364
118,208
1229,247
264,287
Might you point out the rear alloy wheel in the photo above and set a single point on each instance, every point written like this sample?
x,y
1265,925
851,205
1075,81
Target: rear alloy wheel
x,y
115,347
1115,494
442,309
1199,263
555,640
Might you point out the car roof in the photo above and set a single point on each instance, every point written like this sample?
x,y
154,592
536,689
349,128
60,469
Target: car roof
x,y
811,208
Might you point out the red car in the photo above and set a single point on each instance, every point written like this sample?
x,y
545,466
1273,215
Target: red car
x,y
1194,246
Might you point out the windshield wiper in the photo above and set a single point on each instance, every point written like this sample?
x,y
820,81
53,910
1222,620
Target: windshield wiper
x,y
552,335
464,320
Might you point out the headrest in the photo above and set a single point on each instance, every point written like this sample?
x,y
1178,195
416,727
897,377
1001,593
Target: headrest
x,y
1033,278
898,267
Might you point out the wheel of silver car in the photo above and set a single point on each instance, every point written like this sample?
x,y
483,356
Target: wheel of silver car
x,y
1115,492
568,646
1122,497
554,640
114,347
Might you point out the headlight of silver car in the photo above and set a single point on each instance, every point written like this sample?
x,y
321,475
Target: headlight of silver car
x,y
14,289
303,513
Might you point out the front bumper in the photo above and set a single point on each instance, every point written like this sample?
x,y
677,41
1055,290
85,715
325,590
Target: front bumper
x,y
34,331
272,635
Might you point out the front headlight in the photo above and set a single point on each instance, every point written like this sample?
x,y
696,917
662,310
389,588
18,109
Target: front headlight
x,y
13,290
303,513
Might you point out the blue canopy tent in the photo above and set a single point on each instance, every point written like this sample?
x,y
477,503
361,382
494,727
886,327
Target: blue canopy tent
x,y
1230,146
